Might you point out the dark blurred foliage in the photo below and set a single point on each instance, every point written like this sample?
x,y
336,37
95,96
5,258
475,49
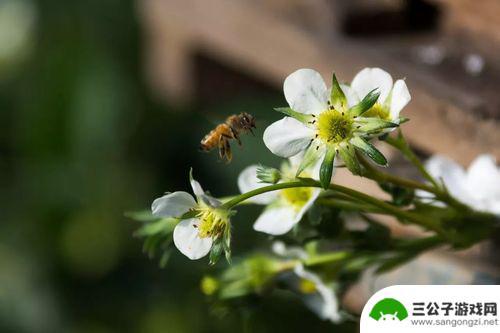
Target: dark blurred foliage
x,y
81,142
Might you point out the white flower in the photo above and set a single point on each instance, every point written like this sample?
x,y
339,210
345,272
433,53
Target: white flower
x,y
319,297
193,236
321,122
478,187
392,99
316,294
285,208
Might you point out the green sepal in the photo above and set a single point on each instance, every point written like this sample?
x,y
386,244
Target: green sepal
x,y
216,251
337,96
348,155
370,150
371,125
226,242
309,159
365,105
326,170
304,118
403,120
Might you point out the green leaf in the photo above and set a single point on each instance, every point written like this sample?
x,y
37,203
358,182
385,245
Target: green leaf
x,y
348,155
371,125
337,97
304,118
161,226
326,170
315,214
165,257
141,216
310,158
365,104
369,150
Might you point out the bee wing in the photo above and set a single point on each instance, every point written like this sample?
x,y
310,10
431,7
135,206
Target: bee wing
x,y
222,147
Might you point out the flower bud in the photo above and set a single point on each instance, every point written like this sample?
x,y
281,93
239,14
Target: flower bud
x,y
268,175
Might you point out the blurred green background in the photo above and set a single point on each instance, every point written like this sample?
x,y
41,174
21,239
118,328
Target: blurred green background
x,y
81,142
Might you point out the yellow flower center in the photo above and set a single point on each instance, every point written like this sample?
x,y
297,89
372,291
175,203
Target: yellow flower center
x,y
378,111
213,222
297,196
334,127
307,286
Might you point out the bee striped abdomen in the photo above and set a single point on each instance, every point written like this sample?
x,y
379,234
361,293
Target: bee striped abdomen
x,y
211,140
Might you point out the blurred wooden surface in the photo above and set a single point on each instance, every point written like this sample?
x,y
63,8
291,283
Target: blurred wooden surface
x,y
447,114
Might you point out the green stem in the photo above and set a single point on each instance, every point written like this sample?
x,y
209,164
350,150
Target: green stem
x,y
276,187
304,182
327,258
380,177
418,245
348,205
402,145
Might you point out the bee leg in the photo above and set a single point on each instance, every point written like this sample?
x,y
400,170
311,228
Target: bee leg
x,y
250,130
229,154
235,136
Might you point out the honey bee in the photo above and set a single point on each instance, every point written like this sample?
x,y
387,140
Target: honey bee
x,y
229,130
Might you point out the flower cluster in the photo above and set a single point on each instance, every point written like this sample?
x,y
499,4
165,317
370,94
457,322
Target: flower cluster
x,y
325,128
325,123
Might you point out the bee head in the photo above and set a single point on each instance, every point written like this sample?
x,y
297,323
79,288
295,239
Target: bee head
x,y
248,120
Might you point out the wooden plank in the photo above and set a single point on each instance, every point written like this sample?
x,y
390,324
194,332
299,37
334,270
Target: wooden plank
x,y
257,42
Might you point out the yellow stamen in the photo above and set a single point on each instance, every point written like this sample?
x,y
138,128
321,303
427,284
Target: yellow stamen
x,y
297,196
378,111
334,127
213,222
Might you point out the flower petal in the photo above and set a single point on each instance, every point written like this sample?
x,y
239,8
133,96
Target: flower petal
x,y
399,98
305,91
281,249
307,205
452,174
370,78
186,239
173,204
324,302
195,185
210,201
287,137
483,178
350,94
248,181
276,220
